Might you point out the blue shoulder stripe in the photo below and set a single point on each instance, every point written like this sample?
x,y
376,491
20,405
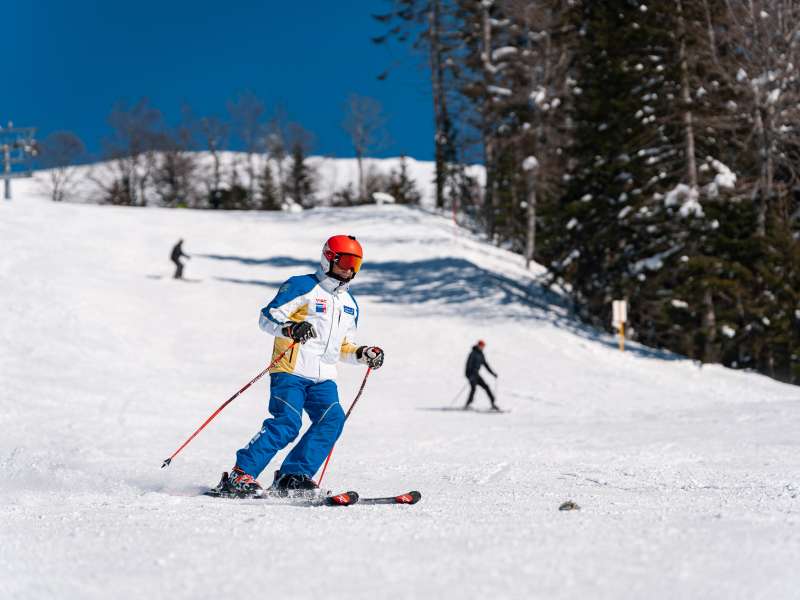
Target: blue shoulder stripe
x,y
353,298
292,288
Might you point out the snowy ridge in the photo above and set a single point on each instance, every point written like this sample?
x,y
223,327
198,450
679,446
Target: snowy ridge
x,y
687,476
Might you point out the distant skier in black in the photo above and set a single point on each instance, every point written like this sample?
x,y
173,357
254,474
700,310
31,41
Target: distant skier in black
x,y
475,361
177,253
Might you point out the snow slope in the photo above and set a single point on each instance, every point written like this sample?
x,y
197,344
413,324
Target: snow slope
x,y
687,477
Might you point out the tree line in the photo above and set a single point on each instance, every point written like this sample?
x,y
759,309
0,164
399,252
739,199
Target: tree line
x,y
638,150
145,161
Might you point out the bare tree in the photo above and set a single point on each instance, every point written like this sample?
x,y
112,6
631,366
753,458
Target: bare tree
x,y
276,145
761,39
530,165
247,113
686,96
444,143
490,92
365,124
213,134
135,136
174,174
701,106
59,153
434,30
530,102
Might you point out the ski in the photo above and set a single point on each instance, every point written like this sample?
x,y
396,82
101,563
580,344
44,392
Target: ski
x,y
300,499
348,498
407,498
344,499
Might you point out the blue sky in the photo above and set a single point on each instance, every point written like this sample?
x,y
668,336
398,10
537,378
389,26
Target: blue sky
x,y
68,62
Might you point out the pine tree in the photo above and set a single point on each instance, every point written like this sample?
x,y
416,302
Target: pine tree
x,y
268,191
615,149
345,196
235,197
174,172
402,187
301,181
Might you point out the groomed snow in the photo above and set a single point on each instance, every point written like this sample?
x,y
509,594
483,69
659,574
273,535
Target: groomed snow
x,y
687,476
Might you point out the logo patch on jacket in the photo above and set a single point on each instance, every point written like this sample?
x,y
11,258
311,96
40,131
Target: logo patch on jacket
x,y
349,310
321,305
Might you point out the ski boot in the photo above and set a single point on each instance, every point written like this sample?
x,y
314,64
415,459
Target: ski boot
x,y
288,485
242,485
236,485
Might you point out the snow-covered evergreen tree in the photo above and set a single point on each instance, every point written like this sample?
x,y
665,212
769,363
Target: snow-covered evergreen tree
x,y
300,185
401,187
269,196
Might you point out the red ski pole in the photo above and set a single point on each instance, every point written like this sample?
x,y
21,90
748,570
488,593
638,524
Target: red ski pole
x,y
349,410
228,401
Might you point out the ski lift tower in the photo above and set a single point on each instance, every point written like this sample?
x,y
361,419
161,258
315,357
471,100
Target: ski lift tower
x,y
17,147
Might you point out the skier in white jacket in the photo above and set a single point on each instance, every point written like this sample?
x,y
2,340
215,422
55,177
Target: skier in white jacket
x,y
318,313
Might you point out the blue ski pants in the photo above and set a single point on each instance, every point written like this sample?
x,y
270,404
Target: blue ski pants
x,y
289,396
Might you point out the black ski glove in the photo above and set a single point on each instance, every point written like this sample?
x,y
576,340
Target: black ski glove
x,y
299,332
372,356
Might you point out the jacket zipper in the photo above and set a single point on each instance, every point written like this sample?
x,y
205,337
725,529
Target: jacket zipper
x,y
330,333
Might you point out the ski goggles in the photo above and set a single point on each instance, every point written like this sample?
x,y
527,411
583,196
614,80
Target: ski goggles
x,y
348,261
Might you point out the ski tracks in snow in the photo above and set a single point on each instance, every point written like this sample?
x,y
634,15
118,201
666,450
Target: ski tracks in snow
x,y
497,472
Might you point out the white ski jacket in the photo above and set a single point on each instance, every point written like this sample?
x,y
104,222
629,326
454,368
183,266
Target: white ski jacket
x,y
328,305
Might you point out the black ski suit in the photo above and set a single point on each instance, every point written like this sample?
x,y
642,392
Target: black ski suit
x,y
177,253
475,361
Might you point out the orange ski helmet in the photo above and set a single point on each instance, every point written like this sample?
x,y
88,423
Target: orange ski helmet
x,y
342,250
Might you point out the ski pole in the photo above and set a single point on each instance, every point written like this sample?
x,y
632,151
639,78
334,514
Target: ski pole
x,y
458,395
228,401
349,410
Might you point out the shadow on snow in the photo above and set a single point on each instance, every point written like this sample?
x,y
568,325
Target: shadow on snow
x,y
455,282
